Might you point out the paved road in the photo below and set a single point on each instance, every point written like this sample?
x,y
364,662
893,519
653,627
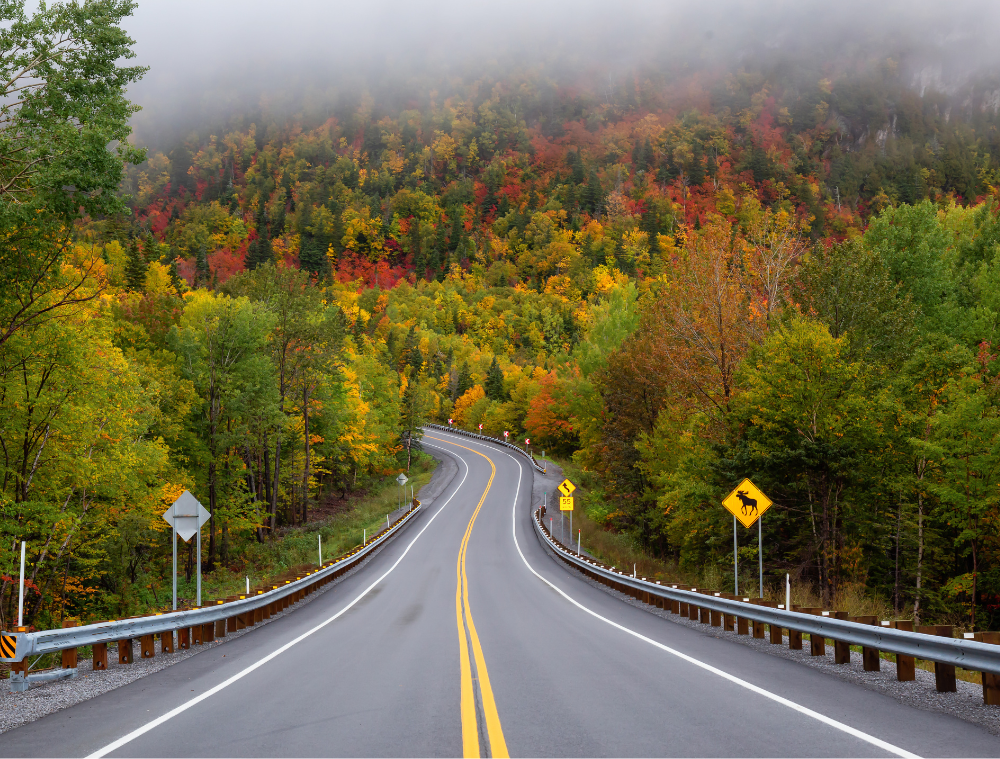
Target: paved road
x,y
441,645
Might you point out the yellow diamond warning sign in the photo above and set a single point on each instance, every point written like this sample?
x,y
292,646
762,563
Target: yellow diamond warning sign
x,y
747,503
566,488
566,503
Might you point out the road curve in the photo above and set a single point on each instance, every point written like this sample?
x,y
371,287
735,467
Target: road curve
x,y
465,636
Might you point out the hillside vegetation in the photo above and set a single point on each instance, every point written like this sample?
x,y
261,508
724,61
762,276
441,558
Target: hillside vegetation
x,y
787,274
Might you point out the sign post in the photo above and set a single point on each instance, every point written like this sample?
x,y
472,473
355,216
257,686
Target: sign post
x,y
747,504
186,516
566,500
402,480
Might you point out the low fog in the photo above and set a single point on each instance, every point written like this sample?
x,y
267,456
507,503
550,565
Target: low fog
x,y
209,59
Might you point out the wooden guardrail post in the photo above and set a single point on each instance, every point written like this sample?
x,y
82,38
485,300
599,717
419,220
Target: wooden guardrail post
x,y
795,636
220,625
208,631
906,666
817,643
69,655
742,623
728,620
125,651
841,648
167,642
100,658
758,627
147,647
944,674
184,638
870,659
991,680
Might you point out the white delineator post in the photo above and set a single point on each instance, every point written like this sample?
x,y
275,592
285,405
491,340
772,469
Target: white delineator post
x,y
319,538
20,594
578,542
248,585
788,593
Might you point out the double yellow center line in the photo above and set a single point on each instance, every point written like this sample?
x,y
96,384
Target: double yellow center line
x,y
463,617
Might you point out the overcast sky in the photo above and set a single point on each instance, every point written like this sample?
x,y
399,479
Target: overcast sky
x,y
202,52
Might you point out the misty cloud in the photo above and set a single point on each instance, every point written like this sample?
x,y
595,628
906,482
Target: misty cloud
x,y
210,58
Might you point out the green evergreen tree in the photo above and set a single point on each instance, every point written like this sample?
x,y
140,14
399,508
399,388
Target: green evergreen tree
x,y
494,383
135,268
593,195
202,272
260,250
464,382
312,257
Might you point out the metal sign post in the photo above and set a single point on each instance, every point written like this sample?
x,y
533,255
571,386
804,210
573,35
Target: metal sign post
x,y
760,553
186,516
747,504
736,561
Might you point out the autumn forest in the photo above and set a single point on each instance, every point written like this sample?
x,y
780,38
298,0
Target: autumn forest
x,y
693,275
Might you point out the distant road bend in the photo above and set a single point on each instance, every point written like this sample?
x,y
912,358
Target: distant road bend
x,y
463,636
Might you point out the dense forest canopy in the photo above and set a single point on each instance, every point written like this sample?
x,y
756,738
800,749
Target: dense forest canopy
x,y
678,272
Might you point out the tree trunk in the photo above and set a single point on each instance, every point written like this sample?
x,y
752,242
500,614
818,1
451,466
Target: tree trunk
x,y
920,556
267,486
211,520
895,589
274,485
305,472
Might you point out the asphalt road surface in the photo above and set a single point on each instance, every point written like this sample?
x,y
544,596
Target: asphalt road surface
x,y
465,636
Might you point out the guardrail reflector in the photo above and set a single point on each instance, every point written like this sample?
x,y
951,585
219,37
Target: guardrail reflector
x,y
8,645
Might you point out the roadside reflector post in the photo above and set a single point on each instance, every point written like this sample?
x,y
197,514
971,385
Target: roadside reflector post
x,y
125,651
991,680
100,660
906,666
841,648
147,648
69,655
944,674
869,656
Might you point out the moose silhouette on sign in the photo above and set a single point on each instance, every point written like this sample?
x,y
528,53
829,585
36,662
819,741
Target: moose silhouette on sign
x,y
747,502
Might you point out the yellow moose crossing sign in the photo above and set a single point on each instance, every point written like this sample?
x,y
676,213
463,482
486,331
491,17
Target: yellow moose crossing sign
x,y
747,503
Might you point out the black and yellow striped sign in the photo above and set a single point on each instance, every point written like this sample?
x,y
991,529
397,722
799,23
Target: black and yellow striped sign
x,y
8,645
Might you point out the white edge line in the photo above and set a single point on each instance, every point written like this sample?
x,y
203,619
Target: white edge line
x,y
886,746
243,673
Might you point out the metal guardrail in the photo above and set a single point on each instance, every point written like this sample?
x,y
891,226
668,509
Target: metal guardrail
x,y
968,654
50,641
489,439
